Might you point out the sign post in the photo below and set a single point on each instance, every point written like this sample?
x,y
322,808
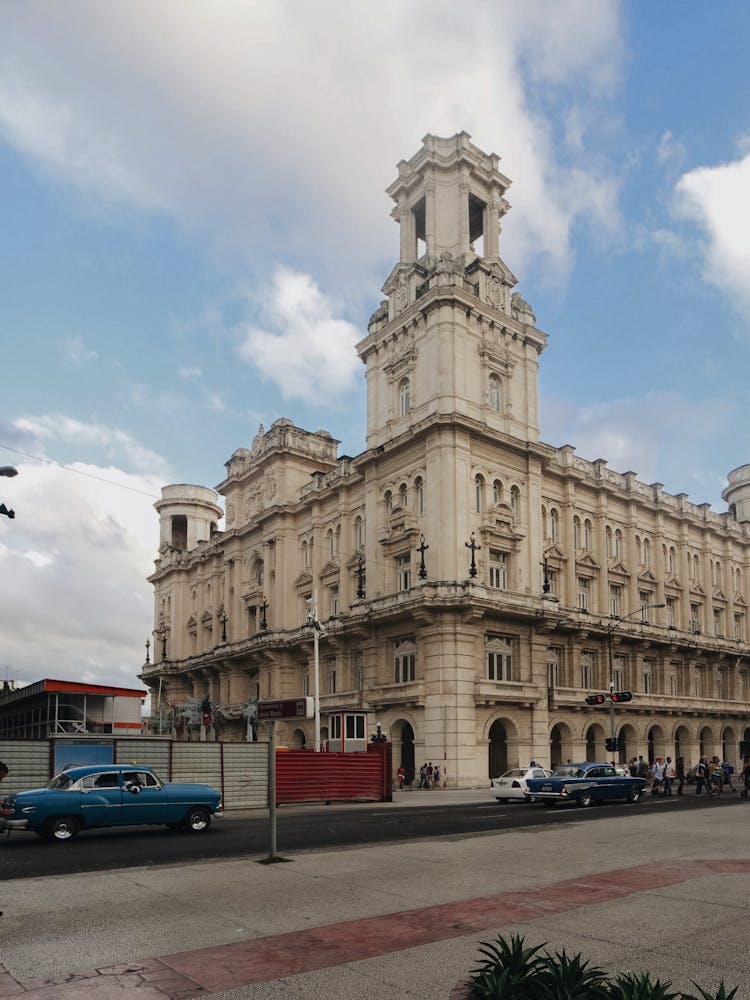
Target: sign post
x,y
270,711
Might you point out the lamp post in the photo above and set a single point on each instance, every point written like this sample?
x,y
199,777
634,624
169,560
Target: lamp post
x,y
421,549
223,619
9,471
312,620
472,544
263,610
617,620
148,647
360,580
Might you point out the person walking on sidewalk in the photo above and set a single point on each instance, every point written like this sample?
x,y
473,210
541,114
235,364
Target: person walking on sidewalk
x,y
745,778
401,773
657,775
702,778
669,775
680,771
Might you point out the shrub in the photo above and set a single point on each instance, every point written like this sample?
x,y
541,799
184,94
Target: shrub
x,y
509,970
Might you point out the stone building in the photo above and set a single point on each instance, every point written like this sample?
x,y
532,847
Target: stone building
x,y
473,583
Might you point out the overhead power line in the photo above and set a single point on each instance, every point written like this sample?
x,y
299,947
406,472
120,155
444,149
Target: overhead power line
x,y
79,472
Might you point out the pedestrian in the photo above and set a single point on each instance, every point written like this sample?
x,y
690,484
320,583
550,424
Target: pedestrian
x,y
401,777
745,777
715,775
680,769
642,767
430,775
657,774
3,770
633,767
726,774
702,778
422,777
436,776
669,775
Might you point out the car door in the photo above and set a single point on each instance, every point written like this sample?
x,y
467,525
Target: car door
x,y
101,799
144,800
610,783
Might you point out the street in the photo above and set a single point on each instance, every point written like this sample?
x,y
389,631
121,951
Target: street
x,y
309,827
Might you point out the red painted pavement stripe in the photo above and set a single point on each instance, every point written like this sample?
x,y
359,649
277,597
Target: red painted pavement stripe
x,y
228,966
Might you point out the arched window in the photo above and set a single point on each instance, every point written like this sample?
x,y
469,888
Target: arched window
x,y
497,492
419,495
358,533
515,500
587,535
696,568
576,532
609,541
738,581
717,574
618,544
545,527
330,543
259,573
494,393
478,494
553,525
404,396
638,550
670,561
646,552
305,555
403,496
388,500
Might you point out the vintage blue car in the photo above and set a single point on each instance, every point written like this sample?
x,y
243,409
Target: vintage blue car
x,y
91,796
584,784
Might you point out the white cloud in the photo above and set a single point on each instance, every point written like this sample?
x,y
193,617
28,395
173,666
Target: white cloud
x,y
77,554
660,436
206,118
190,372
76,351
302,347
716,199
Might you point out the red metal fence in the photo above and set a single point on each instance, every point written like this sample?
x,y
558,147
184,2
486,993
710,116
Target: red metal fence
x,y
306,776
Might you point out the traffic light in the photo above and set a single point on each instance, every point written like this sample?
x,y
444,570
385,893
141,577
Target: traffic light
x,y
595,699
618,696
612,744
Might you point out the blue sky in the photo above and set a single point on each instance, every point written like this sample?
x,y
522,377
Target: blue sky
x,y
195,232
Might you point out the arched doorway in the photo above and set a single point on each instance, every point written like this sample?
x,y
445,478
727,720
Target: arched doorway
x,y
407,751
560,744
745,745
729,746
498,750
681,743
628,743
706,742
298,740
655,743
595,743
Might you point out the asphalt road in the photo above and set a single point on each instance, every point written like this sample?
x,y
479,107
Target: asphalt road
x,y
301,828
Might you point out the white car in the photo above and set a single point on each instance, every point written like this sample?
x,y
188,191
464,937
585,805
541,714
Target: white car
x,y
512,784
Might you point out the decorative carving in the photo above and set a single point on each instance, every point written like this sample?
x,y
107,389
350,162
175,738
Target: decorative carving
x,y
231,512
521,310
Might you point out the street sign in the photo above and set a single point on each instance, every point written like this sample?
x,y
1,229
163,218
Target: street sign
x,y
287,708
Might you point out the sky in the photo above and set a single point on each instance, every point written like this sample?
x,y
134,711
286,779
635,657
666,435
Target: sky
x,y
194,232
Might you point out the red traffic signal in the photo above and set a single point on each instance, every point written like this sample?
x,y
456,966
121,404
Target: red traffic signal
x,y
618,696
595,699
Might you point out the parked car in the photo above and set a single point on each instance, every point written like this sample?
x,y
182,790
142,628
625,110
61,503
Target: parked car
x,y
91,796
512,784
584,784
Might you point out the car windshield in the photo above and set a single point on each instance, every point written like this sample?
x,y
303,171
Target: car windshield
x,y
60,781
515,773
568,771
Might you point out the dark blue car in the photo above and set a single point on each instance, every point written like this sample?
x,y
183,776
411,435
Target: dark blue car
x,y
98,795
584,784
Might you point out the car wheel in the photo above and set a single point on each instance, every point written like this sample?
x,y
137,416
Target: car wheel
x,y
62,828
634,794
197,820
499,799
584,800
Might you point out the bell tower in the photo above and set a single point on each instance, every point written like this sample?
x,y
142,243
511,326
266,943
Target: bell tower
x,y
451,339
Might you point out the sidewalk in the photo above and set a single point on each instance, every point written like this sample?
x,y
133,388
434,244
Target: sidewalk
x,y
392,922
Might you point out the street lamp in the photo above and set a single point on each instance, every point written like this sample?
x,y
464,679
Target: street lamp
x,y
9,471
312,620
223,619
617,620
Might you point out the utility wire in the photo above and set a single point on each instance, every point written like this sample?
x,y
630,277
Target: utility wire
x,y
79,472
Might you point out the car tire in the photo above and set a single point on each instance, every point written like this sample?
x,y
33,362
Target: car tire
x,y
61,828
584,800
634,795
197,820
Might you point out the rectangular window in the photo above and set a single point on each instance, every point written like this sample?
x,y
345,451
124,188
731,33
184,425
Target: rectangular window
x,y
645,599
587,670
583,593
335,727
355,727
553,666
615,600
673,685
671,612
500,659
695,617
405,663
718,628
618,673
498,570
646,681
403,564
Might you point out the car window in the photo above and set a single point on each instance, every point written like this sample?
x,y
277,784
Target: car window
x,y
516,772
144,778
609,772
108,779
539,773
594,772
60,781
566,771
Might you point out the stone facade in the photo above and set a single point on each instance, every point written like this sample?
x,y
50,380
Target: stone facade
x,y
474,584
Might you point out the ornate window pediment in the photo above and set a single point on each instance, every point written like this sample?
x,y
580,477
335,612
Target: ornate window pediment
x,y
719,595
695,588
553,553
618,568
646,576
330,569
740,601
587,565
207,618
304,580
